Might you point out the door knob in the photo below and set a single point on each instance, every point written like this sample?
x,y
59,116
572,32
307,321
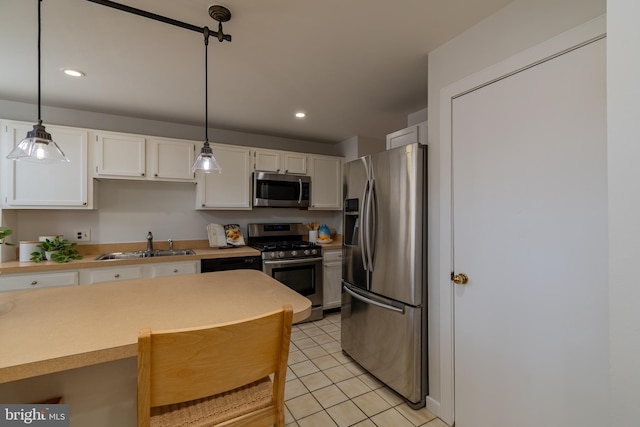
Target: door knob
x,y
460,279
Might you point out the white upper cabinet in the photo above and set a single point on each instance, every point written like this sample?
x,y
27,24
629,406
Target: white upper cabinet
x,y
280,161
125,156
27,185
170,159
410,135
326,182
119,155
230,189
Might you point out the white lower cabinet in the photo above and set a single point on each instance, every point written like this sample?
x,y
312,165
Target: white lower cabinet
x,y
141,271
14,282
332,271
110,274
171,269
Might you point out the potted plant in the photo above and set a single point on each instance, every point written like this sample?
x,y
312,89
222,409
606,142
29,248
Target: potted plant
x,y
4,232
57,250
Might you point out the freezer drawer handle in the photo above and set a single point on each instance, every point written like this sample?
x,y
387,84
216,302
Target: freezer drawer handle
x,y
370,301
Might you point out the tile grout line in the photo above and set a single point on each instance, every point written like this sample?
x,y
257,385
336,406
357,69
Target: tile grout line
x,y
307,331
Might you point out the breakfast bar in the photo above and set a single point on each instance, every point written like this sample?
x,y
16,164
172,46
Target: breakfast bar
x,y
57,329
80,342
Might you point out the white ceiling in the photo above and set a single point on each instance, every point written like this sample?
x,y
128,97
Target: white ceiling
x,y
356,67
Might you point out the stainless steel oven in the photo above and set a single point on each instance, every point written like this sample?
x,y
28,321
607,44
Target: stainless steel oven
x,y
290,260
303,275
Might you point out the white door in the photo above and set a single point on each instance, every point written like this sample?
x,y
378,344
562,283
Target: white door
x,y
530,231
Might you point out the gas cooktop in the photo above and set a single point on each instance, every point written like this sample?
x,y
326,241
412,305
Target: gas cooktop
x,y
281,240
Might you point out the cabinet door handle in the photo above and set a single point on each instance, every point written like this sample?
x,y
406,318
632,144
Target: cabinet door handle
x,y
117,275
142,174
175,270
35,282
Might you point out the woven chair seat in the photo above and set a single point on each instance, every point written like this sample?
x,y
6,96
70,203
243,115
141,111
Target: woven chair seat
x,y
213,410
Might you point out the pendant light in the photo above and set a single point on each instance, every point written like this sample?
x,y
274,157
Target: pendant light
x,y
206,161
38,146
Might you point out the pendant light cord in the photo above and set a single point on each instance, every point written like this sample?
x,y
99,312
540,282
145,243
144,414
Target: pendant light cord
x,y
206,85
39,66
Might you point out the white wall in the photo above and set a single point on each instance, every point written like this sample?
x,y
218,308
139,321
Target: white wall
x,y
358,146
128,209
518,26
417,117
623,91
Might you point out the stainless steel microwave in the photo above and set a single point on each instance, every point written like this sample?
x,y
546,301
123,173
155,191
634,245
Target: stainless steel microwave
x,y
281,190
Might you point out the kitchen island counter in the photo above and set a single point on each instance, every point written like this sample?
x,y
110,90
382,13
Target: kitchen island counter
x,y
57,329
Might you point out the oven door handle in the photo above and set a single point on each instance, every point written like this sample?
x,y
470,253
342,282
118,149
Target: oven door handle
x,y
293,261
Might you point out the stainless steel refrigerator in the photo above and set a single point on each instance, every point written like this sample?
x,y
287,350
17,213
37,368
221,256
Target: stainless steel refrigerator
x,y
384,283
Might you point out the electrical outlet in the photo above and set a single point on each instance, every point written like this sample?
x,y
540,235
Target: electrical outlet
x,y
82,235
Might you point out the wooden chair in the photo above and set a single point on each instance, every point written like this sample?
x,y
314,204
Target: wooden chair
x,y
215,376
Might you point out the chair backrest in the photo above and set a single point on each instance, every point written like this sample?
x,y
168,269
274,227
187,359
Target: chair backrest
x,y
187,364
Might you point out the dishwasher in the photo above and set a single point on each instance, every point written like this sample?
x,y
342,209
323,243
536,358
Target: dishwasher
x,y
233,263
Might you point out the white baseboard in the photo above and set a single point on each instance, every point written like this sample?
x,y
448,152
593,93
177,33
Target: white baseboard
x,y
433,406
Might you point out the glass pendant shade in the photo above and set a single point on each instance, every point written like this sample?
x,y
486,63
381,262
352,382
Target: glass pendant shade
x,y
206,161
38,147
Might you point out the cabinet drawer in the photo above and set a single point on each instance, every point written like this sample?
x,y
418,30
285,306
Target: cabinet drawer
x,y
13,282
113,274
174,269
332,256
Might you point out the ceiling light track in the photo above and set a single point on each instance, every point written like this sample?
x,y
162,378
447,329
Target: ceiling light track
x,y
219,13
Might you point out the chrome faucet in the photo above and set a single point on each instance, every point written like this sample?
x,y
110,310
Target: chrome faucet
x,y
170,244
149,242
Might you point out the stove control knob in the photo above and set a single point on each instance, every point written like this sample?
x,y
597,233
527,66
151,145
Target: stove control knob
x,y
306,252
272,254
294,253
313,251
280,254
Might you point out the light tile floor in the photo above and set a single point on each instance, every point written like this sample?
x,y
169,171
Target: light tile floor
x,y
326,388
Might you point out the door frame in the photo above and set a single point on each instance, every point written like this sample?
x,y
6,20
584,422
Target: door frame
x,y
565,42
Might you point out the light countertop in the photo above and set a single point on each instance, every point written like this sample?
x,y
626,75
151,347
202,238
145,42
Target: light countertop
x,y
56,329
91,252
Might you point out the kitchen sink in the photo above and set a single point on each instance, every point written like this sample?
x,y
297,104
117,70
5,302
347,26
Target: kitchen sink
x,y
144,254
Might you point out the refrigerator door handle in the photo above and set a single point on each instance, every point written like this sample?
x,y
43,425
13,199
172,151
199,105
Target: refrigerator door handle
x,y
362,236
371,244
367,221
371,301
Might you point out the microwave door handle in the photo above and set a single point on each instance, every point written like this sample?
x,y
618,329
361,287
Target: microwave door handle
x,y
300,195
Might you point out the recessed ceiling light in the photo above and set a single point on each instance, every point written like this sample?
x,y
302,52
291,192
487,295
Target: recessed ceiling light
x,y
73,73
300,115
